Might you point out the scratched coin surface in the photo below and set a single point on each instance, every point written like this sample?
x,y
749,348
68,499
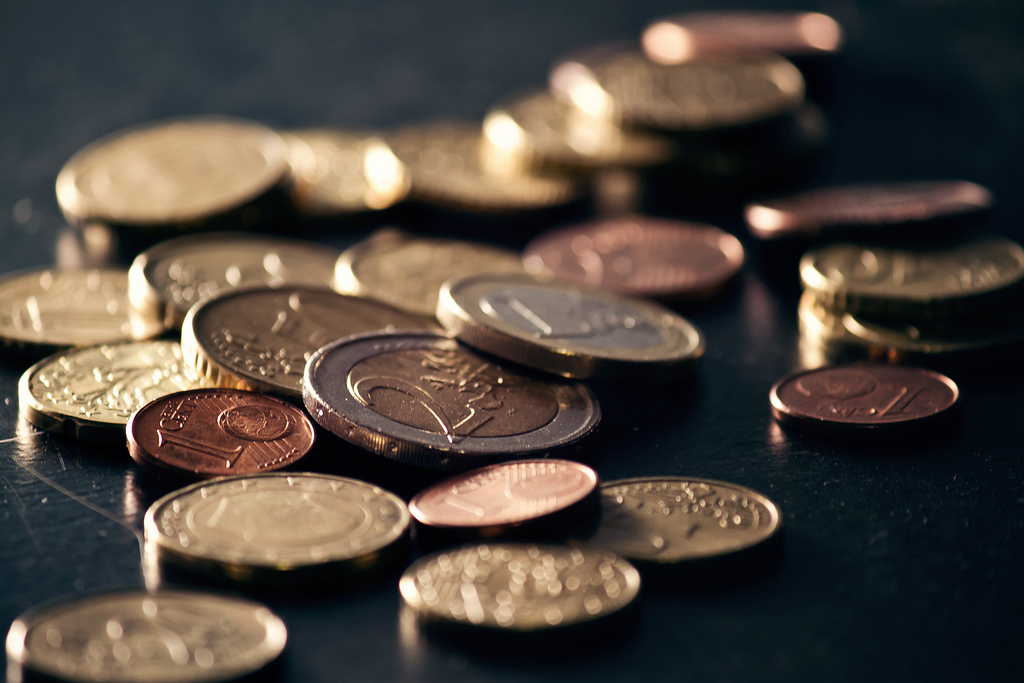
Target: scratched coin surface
x,y
260,338
172,276
570,330
673,520
639,255
90,393
133,636
428,401
173,171
863,399
278,526
878,205
216,432
519,587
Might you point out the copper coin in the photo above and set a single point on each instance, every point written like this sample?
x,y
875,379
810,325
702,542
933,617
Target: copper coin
x,y
863,399
639,255
504,495
216,432
865,205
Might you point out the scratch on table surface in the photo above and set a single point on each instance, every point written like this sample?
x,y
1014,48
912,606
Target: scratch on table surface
x,y
20,504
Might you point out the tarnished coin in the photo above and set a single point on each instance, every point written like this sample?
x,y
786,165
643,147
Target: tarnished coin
x,y
90,393
639,255
48,309
407,272
171,172
680,38
341,172
913,285
279,527
170,277
428,401
519,588
863,399
570,330
216,432
876,205
133,636
259,339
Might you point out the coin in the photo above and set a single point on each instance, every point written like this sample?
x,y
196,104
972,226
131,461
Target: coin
x,y
639,255
863,400
340,172
682,37
215,432
866,206
46,309
279,527
171,172
570,330
170,277
519,588
907,284
428,401
407,272
132,636
90,393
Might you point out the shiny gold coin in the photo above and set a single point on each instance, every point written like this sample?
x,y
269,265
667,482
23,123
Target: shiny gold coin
x,y
279,527
407,272
340,172
170,277
90,393
519,588
919,285
171,172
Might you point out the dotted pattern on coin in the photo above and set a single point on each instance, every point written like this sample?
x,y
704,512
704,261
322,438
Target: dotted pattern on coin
x,y
519,588
139,637
670,520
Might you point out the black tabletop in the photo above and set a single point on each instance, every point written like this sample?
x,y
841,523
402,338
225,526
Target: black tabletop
x,y
900,560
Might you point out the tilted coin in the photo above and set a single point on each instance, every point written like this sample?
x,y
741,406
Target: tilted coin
x,y
171,172
90,393
426,400
936,283
47,309
407,272
863,399
341,172
519,588
216,432
260,338
279,527
869,205
133,636
570,330
170,277
639,255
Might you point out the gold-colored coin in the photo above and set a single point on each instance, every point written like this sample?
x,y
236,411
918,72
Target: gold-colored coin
x,y
48,309
90,393
279,527
918,285
449,167
519,588
171,172
340,172
407,272
133,636
172,276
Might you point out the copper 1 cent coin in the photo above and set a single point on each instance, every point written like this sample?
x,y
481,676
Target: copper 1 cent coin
x,y
639,255
863,399
216,432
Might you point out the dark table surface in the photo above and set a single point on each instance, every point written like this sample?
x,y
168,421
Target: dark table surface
x,y
900,561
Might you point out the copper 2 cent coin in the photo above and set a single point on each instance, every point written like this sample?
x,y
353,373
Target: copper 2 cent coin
x,y
863,399
217,432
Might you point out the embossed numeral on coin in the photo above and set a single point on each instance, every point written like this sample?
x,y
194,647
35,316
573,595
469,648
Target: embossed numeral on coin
x,y
204,448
